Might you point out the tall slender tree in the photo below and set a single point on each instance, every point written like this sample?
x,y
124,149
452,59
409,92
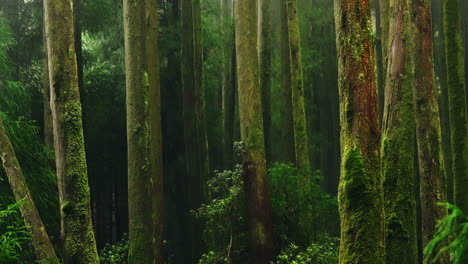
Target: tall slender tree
x,y
360,187
426,110
155,123
297,86
74,194
228,84
264,60
457,103
251,125
40,240
398,171
141,74
286,109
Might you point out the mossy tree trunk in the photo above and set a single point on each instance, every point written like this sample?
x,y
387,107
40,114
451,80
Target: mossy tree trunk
x,y
202,140
297,86
440,68
264,59
397,150
286,109
145,178
360,189
74,193
426,110
155,125
379,57
228,85
457,103
40,240
251,126
384,13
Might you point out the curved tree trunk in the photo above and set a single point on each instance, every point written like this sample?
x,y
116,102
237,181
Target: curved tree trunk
x,y
399,175
74,194
360,188
40,240
251,122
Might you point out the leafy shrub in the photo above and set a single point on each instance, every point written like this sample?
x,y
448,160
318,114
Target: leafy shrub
x,y
451,237
302,214
301,211
15,240
116,253
323,253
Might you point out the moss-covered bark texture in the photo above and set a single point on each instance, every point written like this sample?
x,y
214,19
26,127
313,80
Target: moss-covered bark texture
x,y
426,110
145,178
457,103
74,194
154,100
398,171
297,86
360,188
251,122
286,110
40,240
264,59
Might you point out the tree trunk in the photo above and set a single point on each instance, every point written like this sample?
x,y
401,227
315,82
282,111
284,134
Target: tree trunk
x,y
379,56
228,87
297,86
202,140
138,134
440,67
74,194
48,126
251,122
384,13
264,59
157,176
457,104
360,188
431,172
398,144
286,112
40,240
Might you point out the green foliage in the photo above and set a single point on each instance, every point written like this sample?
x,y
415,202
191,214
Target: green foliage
x,y
116,253
225,227
15,244
451,236
324,253
302,215
302,212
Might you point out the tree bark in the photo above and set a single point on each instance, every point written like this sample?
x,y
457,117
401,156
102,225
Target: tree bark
x,y
74,194
228,85
286,112
360,189
297,86
428,135
48,126
397,149
40,240
264,59
138,134
156,157
251,122
457,104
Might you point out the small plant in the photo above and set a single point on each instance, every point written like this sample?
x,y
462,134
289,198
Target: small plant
x,y
15,240
451,237
115,253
